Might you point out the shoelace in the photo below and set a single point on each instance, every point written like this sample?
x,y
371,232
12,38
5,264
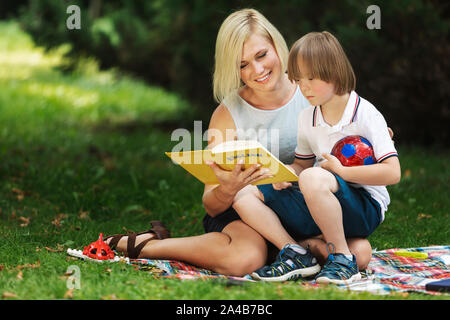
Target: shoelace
x,y
331,264
336,268
274,267
276,271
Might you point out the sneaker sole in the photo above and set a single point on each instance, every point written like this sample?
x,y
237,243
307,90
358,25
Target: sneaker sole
x,y
326,280
294,274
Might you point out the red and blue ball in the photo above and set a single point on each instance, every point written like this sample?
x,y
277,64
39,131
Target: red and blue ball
x,y
354,151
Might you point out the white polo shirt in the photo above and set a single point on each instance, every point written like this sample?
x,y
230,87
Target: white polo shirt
x,y
360,117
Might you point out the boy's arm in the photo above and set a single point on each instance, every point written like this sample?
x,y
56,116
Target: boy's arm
x,y
301,164
387,169
298,166
384,173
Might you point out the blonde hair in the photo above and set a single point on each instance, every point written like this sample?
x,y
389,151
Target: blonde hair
x,y
234,31
325,59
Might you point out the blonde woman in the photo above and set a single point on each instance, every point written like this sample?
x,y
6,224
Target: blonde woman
x,y
256,101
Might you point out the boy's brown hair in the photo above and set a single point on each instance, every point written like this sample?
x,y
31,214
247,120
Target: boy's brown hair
x,y
326,60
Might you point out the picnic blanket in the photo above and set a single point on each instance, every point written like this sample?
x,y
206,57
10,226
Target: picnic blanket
x,y
179,270
386,273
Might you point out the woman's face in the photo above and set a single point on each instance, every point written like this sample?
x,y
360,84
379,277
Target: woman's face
x,y
260,64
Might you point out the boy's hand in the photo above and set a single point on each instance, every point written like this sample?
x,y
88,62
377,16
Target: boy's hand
x,y
332,164
281,185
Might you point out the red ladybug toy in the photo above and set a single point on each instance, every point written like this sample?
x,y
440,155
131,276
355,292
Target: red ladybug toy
x,y
99,250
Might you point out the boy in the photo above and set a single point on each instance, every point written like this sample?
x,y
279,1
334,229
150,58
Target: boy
x,y
332,200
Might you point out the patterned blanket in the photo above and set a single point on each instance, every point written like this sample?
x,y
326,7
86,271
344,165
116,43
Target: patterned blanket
x,y
179,270
387,271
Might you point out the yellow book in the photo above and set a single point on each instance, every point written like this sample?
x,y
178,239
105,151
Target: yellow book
x,y
226,155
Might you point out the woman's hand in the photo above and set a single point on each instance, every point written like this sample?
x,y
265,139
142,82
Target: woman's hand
x,y
235,180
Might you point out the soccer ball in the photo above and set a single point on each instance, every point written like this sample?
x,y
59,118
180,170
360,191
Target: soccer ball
x,y
354,151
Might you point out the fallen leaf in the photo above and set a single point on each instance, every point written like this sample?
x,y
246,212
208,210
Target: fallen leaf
x,y
59,248
279,291
68,294
109,163
28,265
66,275
407,173
8,295
127,230
83,215
57,221
422,215
69,273
20,193
26,221
16,190
110,297
401,294
20,275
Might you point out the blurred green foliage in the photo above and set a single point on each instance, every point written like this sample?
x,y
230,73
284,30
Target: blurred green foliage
x,y
32,81
401,68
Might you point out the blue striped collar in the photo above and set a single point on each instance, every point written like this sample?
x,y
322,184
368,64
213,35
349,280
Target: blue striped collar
x,y
349,116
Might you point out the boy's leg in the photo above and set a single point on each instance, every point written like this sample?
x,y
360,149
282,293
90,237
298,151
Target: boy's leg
x,y
318,187
336,206
249,204
293,261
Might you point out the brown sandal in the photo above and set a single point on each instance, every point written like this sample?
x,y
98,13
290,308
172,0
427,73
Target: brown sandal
x,y
158,229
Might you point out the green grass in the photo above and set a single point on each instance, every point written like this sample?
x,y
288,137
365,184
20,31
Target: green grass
x,y
81,153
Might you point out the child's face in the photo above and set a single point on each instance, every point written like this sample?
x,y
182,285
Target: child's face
x,y
260,64
318,92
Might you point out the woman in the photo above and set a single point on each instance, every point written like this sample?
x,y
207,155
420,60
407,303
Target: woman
x,y
257,101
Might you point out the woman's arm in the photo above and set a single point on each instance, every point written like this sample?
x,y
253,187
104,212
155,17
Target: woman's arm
x,y
385,173
215,198
218,198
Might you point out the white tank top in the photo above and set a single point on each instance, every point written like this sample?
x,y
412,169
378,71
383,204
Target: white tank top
x,y
275,129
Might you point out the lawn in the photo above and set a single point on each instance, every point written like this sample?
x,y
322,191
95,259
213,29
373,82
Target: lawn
x,y
83,152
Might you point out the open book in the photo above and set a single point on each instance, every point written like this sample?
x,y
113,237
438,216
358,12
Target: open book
x,y
226,155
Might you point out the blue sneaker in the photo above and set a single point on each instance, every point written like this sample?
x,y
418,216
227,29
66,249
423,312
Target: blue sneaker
x,y
289,265
339,269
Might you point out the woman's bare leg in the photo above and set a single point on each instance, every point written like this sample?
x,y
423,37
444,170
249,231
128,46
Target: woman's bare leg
x,y
237,250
